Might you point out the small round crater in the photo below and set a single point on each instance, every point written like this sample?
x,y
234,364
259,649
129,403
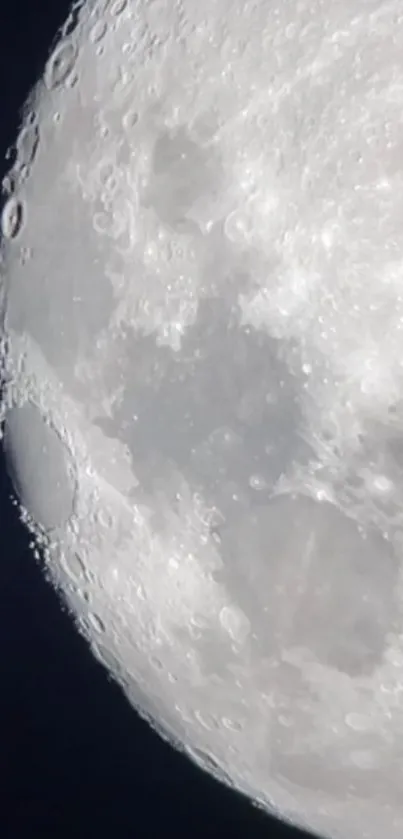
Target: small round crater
x,y
72,80
12,218
236,228
235,622
380,485
96,622
206,720
98,31
73,566
130,120
258,483
101,223
118,7
104,518
60,65
27,144
231,724
359,722
107,175
225,438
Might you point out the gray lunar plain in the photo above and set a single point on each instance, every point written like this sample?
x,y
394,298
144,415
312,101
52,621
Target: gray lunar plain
x,y
202,378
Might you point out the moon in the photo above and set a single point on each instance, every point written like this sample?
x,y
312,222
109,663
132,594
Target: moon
x,y
202,386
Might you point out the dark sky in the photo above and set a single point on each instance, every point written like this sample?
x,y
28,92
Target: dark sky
x,y
77,760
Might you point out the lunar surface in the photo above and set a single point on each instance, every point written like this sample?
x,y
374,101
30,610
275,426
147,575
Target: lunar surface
x,y
202,381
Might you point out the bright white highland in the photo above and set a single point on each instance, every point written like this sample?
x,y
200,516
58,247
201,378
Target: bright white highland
x,y
202,266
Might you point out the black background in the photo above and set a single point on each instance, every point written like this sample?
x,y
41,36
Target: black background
x,y
76,759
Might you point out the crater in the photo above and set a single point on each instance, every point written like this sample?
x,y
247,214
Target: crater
x,y
183,175
38,466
